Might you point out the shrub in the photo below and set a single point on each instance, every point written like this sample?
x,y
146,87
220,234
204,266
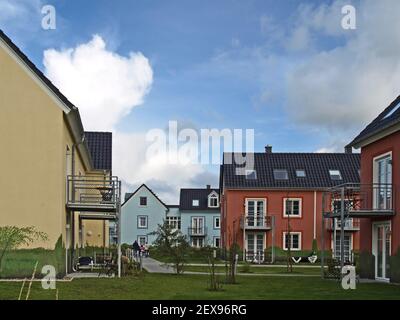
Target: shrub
x,y
395,267
367,265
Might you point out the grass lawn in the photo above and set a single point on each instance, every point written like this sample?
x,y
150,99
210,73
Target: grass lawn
x,y
263,270
167,286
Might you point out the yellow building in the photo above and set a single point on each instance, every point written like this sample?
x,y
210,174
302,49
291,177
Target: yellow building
x,y
55,176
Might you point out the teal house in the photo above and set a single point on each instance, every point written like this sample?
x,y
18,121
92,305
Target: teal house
x,y
200,216
197,216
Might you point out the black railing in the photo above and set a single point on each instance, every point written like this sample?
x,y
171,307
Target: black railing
x,y
256,222
93,191
349,224
375,198
197,231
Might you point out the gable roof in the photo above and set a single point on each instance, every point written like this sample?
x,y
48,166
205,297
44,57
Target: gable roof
x,y
71,112
100,148
129,196
315,165
188,195
68,104
384,121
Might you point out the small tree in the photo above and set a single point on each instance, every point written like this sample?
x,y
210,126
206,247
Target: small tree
x,y
209,253
174,243
12,237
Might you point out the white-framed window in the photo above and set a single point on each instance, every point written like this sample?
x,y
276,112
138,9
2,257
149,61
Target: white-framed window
x,y
213,200
195,202
174,222
292,207
300,173
142,240
294,240
251,174
281,174
217,222
255,211
217,242
143,201
382,178
335,175
142,222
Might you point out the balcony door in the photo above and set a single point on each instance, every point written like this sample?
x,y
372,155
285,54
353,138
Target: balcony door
x,y
255,212
197,225
381,247
383,181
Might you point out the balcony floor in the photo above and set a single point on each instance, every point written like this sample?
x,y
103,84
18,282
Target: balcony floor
x,y
362,214
92,207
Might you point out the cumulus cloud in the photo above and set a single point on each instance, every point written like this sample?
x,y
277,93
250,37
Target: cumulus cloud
x,y
103,84
347,86
106,86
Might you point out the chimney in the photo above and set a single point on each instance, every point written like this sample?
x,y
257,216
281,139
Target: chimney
x,y
268,148
348,149
208,186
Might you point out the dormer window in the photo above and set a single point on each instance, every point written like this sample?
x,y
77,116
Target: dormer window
x,y
335,174
195,202
213,200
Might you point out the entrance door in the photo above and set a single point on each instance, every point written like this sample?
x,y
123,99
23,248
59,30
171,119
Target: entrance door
x,y
381,250
255,211
255,247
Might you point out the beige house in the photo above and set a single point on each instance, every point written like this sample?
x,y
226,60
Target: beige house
x,y
55,176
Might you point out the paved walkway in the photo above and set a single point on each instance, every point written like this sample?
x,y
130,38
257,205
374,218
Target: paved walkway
x,y
155,266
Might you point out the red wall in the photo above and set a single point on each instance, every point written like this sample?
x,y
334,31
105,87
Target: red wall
x,y
389,143
233,209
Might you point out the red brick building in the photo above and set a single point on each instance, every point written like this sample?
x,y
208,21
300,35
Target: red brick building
x,y
282,190
380,176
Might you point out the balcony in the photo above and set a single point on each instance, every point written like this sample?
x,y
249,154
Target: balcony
x,y
360,200
350,224
197,231
259,223
94,195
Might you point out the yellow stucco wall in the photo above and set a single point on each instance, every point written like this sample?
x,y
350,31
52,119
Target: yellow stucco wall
x,y
33,137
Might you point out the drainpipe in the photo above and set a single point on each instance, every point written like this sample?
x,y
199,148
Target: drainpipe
x,y
72,222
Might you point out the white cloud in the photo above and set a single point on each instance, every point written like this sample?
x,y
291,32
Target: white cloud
x,y
343,88
103,84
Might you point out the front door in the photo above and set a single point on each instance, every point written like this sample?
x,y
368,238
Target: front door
x,y
255,247
255,211
381,247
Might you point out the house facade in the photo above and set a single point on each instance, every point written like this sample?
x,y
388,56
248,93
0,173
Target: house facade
x,y
56,176
380,173
278,203
200,216
197,216
141,213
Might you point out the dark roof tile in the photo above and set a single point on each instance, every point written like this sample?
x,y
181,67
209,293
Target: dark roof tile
x,y
188,195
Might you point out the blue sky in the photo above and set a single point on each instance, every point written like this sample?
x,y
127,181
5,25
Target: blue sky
x,y
265,65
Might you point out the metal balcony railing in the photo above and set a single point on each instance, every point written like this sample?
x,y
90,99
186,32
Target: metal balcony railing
x,y
87,193
350,224
361,199
256,222
197,231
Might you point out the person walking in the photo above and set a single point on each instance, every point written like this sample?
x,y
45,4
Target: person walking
x,y
136,248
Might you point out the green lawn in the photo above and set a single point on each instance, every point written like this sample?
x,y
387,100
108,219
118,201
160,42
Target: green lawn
x,y
167,286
